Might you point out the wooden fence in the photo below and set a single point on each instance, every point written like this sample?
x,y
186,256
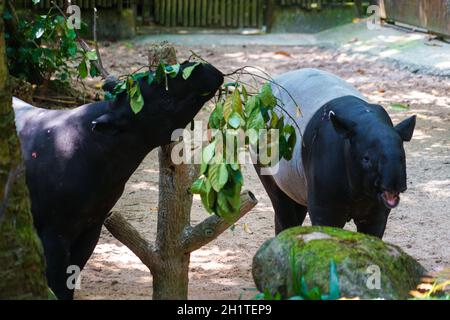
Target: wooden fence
x,y
210,13
316,4
84,4
432,15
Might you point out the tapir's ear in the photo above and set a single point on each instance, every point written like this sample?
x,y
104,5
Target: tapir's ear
x,y
343,127
406,128
109,123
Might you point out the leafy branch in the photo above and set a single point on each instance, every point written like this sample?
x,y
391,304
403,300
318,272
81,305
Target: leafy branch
x,y
131,83
221,180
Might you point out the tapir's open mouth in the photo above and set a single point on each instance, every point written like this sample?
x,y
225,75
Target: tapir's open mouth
x,y
390,199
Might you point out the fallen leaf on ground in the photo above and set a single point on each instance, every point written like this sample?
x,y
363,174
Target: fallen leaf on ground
x,y
282,53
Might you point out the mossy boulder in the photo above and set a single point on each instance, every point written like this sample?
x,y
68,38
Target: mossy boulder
x,y
358,257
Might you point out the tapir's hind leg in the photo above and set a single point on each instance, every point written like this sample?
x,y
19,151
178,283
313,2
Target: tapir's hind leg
x,y
82,248
288,213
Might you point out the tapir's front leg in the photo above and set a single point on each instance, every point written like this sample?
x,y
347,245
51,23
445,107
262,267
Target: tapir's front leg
x,y
327,216
57,255
375,222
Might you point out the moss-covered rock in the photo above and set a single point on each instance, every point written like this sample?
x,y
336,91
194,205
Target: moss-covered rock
x,y
356,255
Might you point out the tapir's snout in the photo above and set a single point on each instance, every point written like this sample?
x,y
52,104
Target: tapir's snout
x,y
210,80
393,182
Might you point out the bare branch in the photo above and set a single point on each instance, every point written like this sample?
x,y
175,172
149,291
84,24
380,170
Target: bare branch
x,y
97,50
123,231
210,228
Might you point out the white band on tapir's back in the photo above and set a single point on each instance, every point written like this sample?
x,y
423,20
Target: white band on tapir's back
x,y
20,108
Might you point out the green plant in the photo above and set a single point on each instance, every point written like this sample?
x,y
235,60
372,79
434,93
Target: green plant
x,y
221,180
40,47
300,288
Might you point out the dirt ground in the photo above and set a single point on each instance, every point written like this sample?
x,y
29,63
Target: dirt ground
x,y
222,269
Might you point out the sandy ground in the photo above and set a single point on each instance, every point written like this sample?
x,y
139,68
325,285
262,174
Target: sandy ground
x,y
222,269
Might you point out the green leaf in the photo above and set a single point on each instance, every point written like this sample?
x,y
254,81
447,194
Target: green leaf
x,y
120,87
36,1
198,185
244,94
91,55
236,174
267,98
150,78
218,176
139,75
72,49
233,196
237,102
255,120
228,107
137,103
224,209
83,69
39,32
216,117
252,104
208,196
188,70
93,71
172,70
288,139
399,107
71,34
136,99
235,120
273,120
231,84
208,152
253,137
203,168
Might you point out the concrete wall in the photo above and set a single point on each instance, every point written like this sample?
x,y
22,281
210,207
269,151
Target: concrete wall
x,y
112,24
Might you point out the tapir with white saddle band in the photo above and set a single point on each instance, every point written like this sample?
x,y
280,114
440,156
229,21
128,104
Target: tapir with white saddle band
x,y
349,160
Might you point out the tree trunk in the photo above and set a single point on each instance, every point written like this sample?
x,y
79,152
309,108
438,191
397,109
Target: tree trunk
x,y
22,266
171,275
170,278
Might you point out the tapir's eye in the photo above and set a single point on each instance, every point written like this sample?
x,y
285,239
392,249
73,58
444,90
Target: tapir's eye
x,y
366,161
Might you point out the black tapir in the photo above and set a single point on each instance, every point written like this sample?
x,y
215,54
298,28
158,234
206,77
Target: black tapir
x,y
349,161
78,161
